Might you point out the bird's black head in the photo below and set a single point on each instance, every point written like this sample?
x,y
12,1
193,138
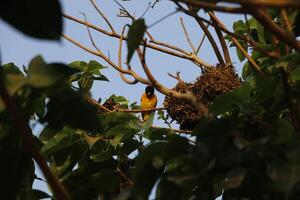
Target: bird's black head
x,y
149,91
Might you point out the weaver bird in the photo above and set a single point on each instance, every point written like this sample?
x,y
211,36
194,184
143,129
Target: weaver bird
x,y
148,100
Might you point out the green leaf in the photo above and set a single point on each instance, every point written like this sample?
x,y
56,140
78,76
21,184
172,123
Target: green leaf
x,y
239,27
32,194
135,36
234,179
93,67
270,94
111,120
119,99
67,107
105,181
13,79
79,65
66,158
61,140
100,78
241,56
121,129
10,68
226,102
116,141
40,194
129,145
41,75
39,106
157,134
40,19
101,151
167,190
147,170
150,163
295,75
148,123
284,176
282,132
47,133
86,83
258,29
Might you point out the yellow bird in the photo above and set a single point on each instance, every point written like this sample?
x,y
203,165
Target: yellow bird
x,y
148,100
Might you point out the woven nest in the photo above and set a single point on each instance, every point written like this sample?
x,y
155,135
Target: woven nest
x,y
213,82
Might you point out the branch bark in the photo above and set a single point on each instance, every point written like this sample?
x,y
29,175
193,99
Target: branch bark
x,y
263,17
222,40
170,50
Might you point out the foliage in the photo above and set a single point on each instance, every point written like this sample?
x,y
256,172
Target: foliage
x,y
247,147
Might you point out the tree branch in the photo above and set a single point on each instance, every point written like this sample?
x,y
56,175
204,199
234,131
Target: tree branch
x,y
171,52
101,55
245,3
211,6
239,46
138,110
102,15
222,40
241,37
201,41
266,3
187,36
210,38
263,17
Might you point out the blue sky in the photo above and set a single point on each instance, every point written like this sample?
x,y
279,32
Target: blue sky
x,y
20,49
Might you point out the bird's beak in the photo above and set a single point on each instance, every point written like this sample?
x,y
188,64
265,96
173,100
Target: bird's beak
x,y
148,94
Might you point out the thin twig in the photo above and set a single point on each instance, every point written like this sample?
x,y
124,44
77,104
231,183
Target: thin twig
x,y
163,18
288,26
98,105
241,37
247,23
122,8
147,9
177,77
138,110
286,20
30,147
175,130
201,40
102,15
90,35
187,36
101,55
156,1
172,52
239,46
210,38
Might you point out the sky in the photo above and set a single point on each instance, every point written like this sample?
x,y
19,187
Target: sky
x,y
20,49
